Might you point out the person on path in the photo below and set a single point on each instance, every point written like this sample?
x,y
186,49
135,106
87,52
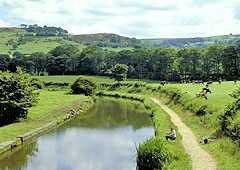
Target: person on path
x,y
172,135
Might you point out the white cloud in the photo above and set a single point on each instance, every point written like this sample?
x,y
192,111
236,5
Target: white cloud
x,y
145,18
4,24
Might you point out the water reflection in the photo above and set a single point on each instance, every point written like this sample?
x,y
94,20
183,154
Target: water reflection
x,y
104,140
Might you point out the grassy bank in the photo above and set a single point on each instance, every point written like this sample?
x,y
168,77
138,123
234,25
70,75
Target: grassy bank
x,y
182,99
224,150
162,124
51,105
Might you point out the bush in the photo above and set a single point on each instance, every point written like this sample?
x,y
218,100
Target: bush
x,y
83,86
229,121
37,83
119,72
56,84
16,96
236,93
154,154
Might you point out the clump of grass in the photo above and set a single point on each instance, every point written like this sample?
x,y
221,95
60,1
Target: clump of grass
x,y
154,153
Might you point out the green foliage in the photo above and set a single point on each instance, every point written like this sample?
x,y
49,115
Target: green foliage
x,y
37,83
16,96
229,121
44,31
64,50
4,62
119,72
83,86
236,93
154,154
105,40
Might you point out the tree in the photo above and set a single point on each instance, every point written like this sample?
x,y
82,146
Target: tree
x,y
119,72
68,50
90,61
16,96
212,64
4,62
83,86
231,62
36,63
189,63
16,61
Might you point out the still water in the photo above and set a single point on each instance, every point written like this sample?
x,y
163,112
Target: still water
x,y
105,139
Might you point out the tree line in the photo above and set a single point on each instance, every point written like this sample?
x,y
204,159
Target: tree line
x,y
44,31
166,64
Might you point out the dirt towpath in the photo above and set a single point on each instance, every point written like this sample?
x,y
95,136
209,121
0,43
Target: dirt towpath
x,y
201,160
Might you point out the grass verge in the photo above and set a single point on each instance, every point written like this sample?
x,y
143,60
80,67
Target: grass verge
x,y
51,105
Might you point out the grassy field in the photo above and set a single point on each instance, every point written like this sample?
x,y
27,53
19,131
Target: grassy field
x,y
219,97
30,44
5,36
51,105
44,44
37,46
71,79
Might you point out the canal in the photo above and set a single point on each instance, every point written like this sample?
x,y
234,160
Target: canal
x,y
104,139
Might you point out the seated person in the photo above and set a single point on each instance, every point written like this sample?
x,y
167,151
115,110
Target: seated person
x,y
172,135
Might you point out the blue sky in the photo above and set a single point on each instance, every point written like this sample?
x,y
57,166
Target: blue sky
x,y
134,18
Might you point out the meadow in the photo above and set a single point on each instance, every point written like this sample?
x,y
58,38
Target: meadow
x,y
219,98
72,78
51,105
28,44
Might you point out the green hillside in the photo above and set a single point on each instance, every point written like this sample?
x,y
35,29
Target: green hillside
x,y
19,39
192,42
16,39
105,40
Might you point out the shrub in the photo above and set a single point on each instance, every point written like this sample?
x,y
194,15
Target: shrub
x,y
154,154
236,93
55,84
119,72
229,121
16,96
83,86
37,83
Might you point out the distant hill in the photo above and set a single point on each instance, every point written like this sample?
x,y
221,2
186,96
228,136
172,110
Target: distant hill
x,y
200,42
18,39
105,40
116,41
44,39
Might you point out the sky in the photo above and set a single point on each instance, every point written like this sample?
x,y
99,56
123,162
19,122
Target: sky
x,y
133,18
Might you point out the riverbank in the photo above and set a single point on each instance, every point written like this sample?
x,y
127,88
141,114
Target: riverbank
x,y
200,115
52,109
162,124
